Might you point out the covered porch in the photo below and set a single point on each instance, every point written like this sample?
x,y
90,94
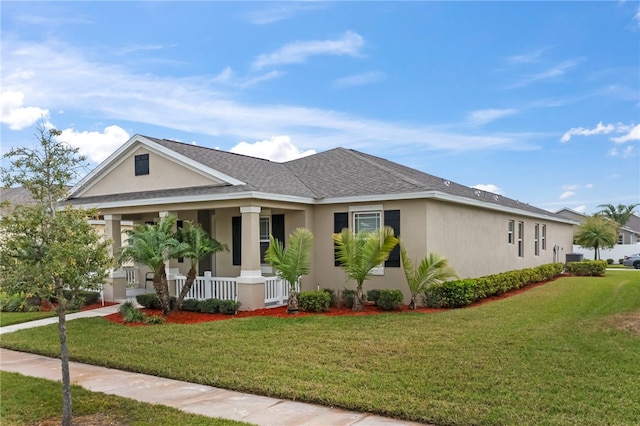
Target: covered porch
x,y
239,274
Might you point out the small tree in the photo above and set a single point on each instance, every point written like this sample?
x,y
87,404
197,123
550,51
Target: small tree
x,y
433,269
359,254
46,250
291,263
153,245
198,244
596,233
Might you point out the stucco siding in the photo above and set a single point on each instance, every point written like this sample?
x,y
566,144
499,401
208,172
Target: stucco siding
x,y
163,174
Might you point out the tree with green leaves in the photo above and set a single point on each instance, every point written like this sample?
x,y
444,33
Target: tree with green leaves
x,y
358,254
49,253
596,233
291,263
432,269
198,244
619,214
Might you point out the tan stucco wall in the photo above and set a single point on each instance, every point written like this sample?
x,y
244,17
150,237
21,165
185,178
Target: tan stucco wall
x,y
163,174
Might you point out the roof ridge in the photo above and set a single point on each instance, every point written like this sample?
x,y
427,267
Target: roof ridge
x,y
210,149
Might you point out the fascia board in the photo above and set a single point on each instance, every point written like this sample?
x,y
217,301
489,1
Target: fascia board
x,y
199,198
117,157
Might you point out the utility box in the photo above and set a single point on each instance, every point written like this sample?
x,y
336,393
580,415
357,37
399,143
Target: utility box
x,y
574,257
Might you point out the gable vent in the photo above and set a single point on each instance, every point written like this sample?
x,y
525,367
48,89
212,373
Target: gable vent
x,y
478,192
446,182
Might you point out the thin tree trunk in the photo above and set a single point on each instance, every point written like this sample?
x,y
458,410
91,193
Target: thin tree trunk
x,y
358,303
67,412
292,301
162,290
412,304
191,277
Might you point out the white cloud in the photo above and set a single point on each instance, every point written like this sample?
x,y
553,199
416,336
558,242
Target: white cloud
x,y
567,194
96,145
570,187
280,11
602,129
17,116
278,148
580,209
526,58
359,79
197,104
349,44
557,71
484,116
633,135
489,188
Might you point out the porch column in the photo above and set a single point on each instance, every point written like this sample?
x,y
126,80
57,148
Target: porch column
x,y
171,266
115,287
251,282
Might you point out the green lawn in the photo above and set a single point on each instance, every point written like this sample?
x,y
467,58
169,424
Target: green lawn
x,y
552,355
27,400
10,318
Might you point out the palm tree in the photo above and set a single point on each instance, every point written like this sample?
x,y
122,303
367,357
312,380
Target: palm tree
x,y
433,269
597,232
199,244
153,245
620,213
291,263
360,253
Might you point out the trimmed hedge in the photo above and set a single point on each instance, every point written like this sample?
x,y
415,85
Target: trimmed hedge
x,y
389,300
373,295
152,301
459,293
588,268
314,301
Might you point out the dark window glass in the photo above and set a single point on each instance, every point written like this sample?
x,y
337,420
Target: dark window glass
x,y
142,164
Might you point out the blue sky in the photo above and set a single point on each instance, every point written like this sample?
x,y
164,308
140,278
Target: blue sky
x,y
538,101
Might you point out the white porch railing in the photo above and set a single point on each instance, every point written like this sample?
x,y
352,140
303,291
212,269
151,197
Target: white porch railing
x,y
131,273
208,287
276,291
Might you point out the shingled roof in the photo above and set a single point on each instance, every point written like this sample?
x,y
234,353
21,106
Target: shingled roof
x,y
337,173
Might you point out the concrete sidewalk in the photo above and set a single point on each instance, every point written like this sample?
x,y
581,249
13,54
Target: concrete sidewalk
x,y
188,397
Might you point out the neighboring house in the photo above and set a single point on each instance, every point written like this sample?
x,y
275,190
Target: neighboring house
x,y
241,200
628,237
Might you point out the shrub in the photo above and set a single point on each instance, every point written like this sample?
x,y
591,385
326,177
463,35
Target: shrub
x,y
12,303
593,268
152,301
229,307
191,305
314,301
609,261
389,300
333,298
347,297
83,297
451,294
210,306
373,295
130,313
620,261
154,319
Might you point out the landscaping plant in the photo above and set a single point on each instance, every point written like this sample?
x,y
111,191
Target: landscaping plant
x,y
291,263
432,269
358,254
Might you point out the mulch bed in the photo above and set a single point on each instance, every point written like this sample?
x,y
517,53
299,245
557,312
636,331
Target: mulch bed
x,y
184,317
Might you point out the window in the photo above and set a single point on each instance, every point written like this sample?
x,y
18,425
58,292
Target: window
x,y
510,232
142,164
536,239
544,237
520,239
366,221
265,231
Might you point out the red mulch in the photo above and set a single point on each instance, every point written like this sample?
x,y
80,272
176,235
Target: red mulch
x,y
184,317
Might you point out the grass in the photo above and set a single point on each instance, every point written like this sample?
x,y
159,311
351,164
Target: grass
x,y
27,400
553,355
10,318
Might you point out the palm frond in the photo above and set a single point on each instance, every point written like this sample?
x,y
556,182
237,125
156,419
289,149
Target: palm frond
x,y
293,262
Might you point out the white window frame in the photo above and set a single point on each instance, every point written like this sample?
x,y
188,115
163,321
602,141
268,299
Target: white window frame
x,y
544,236
355,212
520,239
536,239
510,231
264,267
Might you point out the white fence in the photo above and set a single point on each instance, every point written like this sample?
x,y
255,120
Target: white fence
x,y
131,273
208,287
619,251
276,291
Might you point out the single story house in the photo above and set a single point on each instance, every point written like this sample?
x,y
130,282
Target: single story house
x,y
241,200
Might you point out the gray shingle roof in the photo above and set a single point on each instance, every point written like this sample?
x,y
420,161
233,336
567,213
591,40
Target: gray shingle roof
x,y
335,173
